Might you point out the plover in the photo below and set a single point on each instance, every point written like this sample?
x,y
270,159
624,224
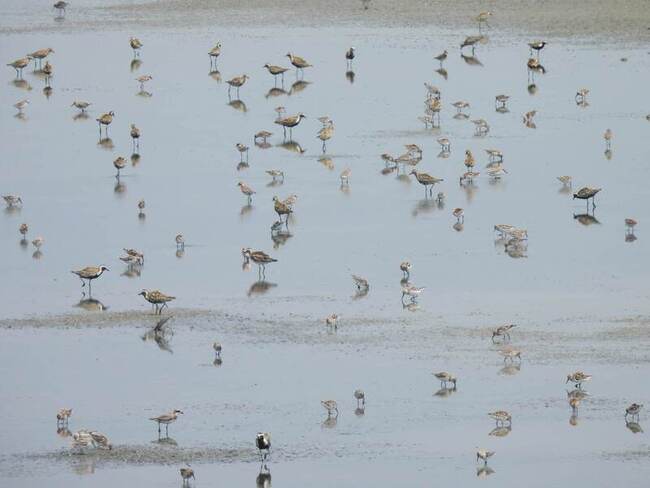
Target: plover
x,y
481,126
81,105
63,415
166,419
60,6
581,95
537,46
445,378
246,190
180,241
136,45
441,57
578,378
501,416
565,180
158,299
405,267
459,213
105,120
509,354
471,41
134,253
325,134
40,54
528,118
426,180
282,208
237,82
461,105
263,443
469,159
445,144
38,243
299,63
330,406
586,193
501,100
186,474
18,65
217,348
349,56
23,229
48,71
119,164
345,176
290,122
89,273
135,135
633,410
263,135
100,441
21,105
243,149
214,53
534,65
258,257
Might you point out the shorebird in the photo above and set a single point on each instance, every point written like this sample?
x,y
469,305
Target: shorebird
x,y
537,46
510,354
411,291
445,378
405,267
484,454
12,201
157,299
38,242
426,180
23,230
433,92
290,200
186,474
81,105
330,406
275,173
633,410
105,120
494,154
501,416
60,6
142,80
134,253
63,415
469,159
217,348
608,138
471,41
18,65
166,419
326,133
332,320
135,45
441,57
135,135
482,18
503,331
586,193
81,439
237,82
459,213
141,205
48,70
481,126
528,118
246,190
242,150
629,223
461,105
263,443
581,96
565,180
40,55
349,56
119,164
345,176
263,134
501,101
574,403
298,62
534,65
180,241
361,283
99,440
89,273
290,122
21,105
445,144
258,257
214,54
578,378
360,397
282,208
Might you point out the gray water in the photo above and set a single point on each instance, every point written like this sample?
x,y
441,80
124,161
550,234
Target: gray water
x,y
579,295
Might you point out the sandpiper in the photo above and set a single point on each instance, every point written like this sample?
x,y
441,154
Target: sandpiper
x,y
630,224
459,213
105,120
89,273
501,416
581,96
326,133
263,443
237,82
136,45
537,46
445,144
246,190
81,439
578,378
360,282
100,441
141,206
411,291
405,267
135,135
501,101
534,65
258,257
40,54
242,150
494,154
263,135
349,56
119,164
503,331
134,253
426,180
48,70
166,419
275,174
12,201
81,105
214,53
186,474
18,65
484,454
298,62
290,122
586,193
574,403
332,320
21,105
330,406
481,126
441,57
529,118
633,410
608,138
345,176
142,80
461,105
445,378
157,299
360,396
509,354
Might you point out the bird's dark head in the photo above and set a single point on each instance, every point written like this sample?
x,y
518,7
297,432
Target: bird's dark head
x,y
575,195
413,172
104,268
302,116
266,65
111,113
176,411
568,378
289,55
143,293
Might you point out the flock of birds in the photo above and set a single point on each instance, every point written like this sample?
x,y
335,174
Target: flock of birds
x,y
514,237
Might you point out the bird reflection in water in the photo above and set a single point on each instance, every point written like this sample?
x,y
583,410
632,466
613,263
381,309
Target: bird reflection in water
x,y
458,227
608,154
91,304
484,471
510,369
280,237
135,159
330,422
471,60
144,94
292,146
135,64
165,441
423,206
80,116
63,431
160,334
120,187
298,86
245,210
215,75
263,478
21,84
360,293
586,219
349,75
260,287
633,427
237,104
442,72
276,92
328,162
501,431
411,306
83,465
106,143
47,91
445,392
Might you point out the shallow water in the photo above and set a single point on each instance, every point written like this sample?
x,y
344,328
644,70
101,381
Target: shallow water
x,y
568,294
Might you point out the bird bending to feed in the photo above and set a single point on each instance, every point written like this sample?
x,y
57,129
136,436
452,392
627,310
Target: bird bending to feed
x,y
81,105
586,193
298,62
166,419
503,331
445,378
186,474
332,320
484,454
362,283
282,208
157,299
578,378
263,443
246,190
135,45
330,406
100,440
12,201
90,273
360,397
501,416
426,180
405,267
